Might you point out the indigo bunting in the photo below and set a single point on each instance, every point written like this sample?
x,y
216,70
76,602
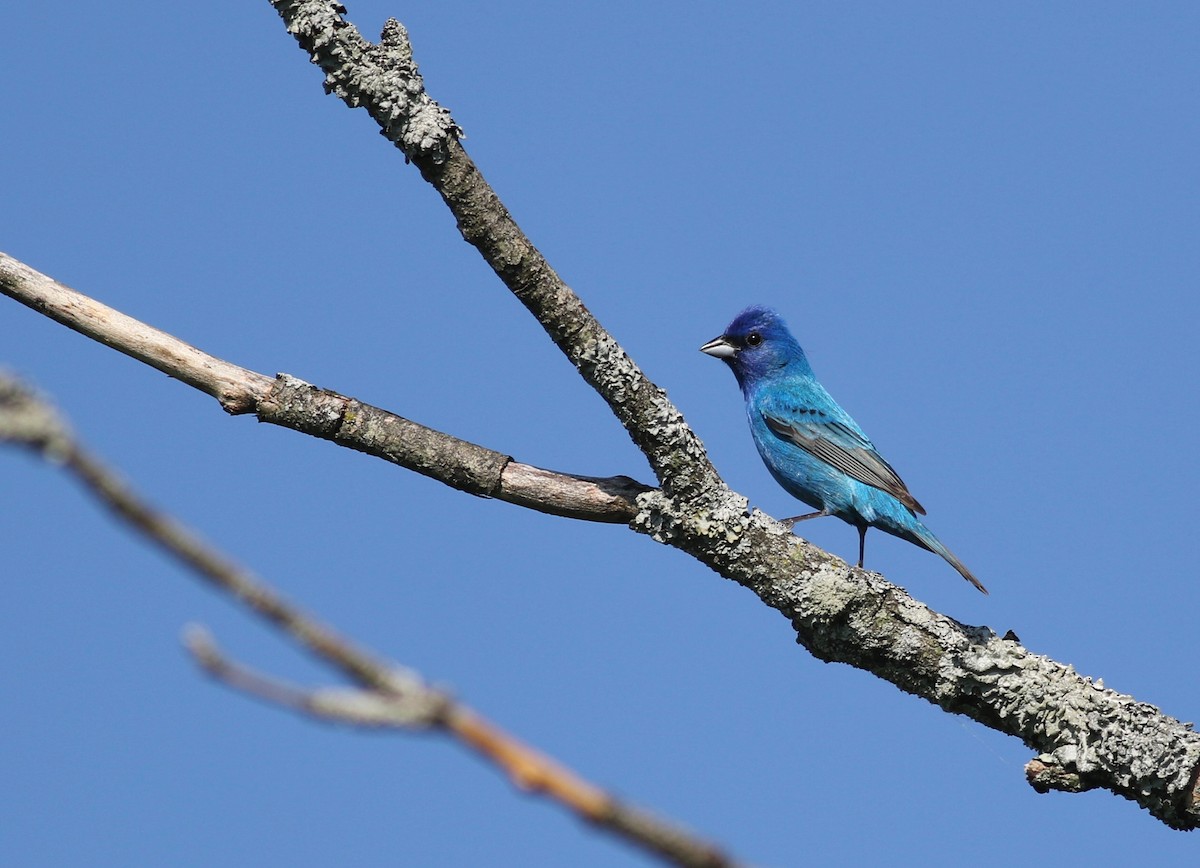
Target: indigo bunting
x,y
810,444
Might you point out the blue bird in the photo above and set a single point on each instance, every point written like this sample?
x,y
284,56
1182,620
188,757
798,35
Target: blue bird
x,y
810,444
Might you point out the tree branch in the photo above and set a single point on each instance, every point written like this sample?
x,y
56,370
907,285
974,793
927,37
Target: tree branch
x,y
236,388
292,403
394,696
1087,736
384,80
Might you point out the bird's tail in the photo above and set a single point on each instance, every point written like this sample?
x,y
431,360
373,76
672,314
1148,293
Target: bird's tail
x,y
893,517
935,545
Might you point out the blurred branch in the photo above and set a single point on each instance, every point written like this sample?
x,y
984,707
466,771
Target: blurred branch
x,y
294,404
393,696
417,707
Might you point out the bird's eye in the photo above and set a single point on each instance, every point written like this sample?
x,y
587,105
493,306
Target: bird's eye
x,y
753,339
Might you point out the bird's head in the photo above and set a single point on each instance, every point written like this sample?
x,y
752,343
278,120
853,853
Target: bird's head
x,y
758,344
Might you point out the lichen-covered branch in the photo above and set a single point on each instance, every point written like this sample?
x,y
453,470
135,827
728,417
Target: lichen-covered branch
x,y
393,695
1087,735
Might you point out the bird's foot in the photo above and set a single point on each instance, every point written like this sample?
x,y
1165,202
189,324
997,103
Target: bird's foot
x,y
789,523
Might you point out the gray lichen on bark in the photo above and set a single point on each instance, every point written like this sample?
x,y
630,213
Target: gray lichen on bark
x,y
382,78
1087,735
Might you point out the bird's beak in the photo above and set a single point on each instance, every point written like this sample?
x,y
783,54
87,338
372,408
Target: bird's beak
x,y
719,348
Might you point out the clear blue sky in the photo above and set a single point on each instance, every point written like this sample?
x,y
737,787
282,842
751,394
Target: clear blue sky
x,y
981,220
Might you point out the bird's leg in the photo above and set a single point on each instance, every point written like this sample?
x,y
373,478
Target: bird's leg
x,y
795,518
862,542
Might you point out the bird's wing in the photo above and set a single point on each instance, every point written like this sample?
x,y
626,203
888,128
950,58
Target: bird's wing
x,y
835,442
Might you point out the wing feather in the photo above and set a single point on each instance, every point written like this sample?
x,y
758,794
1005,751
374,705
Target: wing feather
x,y
842,447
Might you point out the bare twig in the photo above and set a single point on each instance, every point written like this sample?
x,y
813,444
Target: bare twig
x,y
394,696
236,388
292,403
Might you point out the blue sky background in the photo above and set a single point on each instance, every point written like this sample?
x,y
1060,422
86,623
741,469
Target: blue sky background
x,y
981,221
